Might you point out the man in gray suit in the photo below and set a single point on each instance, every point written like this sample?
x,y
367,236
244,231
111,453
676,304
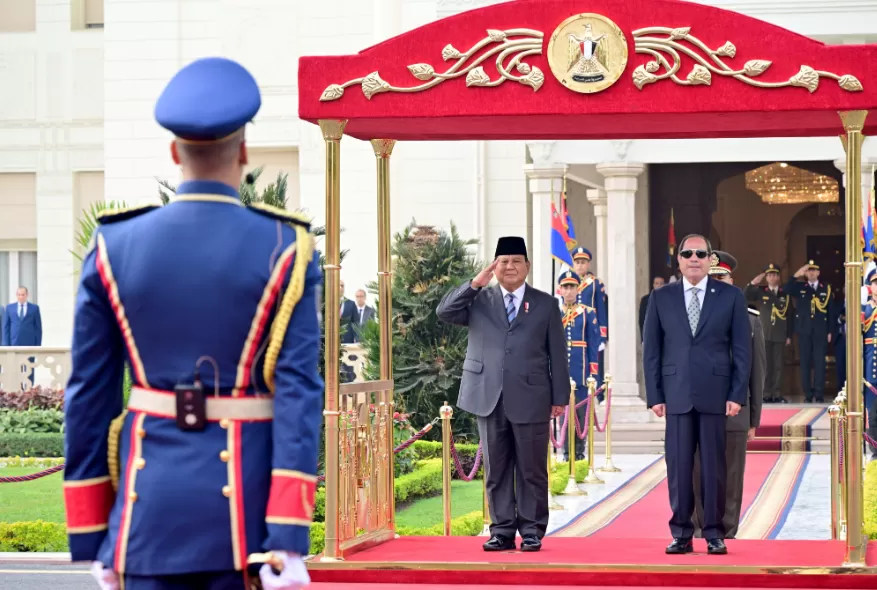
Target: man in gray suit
x,y
515,379
739,429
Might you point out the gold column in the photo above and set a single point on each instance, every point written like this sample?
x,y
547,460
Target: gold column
x,y
332,130
571,488
446,412
834,415
552,503
609,466
592,414
854,123
383,149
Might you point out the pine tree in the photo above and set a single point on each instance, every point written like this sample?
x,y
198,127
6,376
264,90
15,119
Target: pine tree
x,y
428,353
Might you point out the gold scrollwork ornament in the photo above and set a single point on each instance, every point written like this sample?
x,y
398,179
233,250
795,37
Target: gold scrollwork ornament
x,y
587,53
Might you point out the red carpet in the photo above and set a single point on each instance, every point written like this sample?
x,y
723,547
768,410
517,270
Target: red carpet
x,y
331,586
785,429
599,562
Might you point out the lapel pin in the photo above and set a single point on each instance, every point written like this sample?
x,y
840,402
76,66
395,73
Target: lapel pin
x,y
712,290
526,306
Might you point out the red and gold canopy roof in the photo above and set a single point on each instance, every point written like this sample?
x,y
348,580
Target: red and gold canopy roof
x,y
626,69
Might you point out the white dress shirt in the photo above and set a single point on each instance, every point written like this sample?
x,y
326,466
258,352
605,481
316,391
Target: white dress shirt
x,y
519,297
701,286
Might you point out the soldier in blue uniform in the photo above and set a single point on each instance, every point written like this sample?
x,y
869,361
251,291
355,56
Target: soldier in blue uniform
x,y
582,330
213,308
869,348
814,308
592,292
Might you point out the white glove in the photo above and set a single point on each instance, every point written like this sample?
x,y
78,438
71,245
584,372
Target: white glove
x,y
293,577
602,347
106,578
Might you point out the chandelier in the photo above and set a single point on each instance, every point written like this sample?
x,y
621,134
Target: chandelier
x,y
782,184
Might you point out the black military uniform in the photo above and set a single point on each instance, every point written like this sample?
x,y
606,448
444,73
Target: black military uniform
x,y
773,307
813,324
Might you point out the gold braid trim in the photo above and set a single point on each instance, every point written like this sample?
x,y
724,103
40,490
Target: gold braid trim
x,y
815,303
294,291
113,459
776,313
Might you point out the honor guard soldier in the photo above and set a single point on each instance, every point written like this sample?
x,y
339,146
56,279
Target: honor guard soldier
x,y
213,308
592,292
869,348
582,331
773,303
813,309
741,428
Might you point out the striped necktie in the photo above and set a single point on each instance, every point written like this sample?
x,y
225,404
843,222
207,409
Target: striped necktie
x,y
510,308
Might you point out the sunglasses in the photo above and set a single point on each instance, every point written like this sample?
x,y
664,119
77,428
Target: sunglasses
x,y
689,253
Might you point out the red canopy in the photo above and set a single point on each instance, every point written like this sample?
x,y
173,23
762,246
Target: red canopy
x,y
688,71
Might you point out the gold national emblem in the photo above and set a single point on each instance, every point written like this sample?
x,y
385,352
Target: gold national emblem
x,y
714,259
587,53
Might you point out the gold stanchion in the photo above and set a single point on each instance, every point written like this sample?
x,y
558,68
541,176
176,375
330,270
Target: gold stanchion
x,y
552,503
485,511
383,149
332,131
608,467
446,413
841,402
592,409
854,124
834,414
572,489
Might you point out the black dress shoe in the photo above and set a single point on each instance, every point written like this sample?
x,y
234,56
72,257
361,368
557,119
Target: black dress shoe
x,y
531,543
499,543
716,547
679,546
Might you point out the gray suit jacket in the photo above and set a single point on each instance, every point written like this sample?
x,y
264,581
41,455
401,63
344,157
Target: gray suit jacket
x,y
526,362
750,415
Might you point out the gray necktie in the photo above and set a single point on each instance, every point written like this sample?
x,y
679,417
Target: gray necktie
x,y
694,310
21,310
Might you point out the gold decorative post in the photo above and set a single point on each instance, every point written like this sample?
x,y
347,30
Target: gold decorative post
x,y
383,149
571,488
854,123
332,130
446,412
485,510
608,467
841,402
592,413
834,414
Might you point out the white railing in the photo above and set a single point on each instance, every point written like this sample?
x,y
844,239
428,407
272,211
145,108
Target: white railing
x,y
51,366
25,367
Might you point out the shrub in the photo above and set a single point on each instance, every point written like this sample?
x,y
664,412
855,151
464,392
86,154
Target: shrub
x,y
560,476
35,462
427,449
38,397
32,536
467,525
32,420
31,445
870,498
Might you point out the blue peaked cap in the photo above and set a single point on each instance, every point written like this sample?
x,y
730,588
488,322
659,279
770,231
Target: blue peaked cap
x,y
207,100
872,274
569,278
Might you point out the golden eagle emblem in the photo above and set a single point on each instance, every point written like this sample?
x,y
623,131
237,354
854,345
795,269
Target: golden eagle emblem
x,y
588,56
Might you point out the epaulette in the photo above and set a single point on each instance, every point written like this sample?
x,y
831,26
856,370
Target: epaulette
x,y
281,214
113,215
588,307
753,311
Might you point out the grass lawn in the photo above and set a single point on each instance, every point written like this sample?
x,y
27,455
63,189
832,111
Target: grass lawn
x,y
466,497
41,499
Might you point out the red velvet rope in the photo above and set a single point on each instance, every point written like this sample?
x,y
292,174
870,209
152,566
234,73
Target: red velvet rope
x,y
32,476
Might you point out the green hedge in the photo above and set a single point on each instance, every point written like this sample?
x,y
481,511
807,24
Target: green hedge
x,y
870,498
560,476
31,445
32,536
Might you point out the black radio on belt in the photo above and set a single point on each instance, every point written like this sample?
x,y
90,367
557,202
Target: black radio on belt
x,y
191,406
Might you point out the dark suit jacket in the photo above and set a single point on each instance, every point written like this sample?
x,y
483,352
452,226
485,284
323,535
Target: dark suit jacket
x,y
750,417
525,361
26,331
348,320
704,371
643,306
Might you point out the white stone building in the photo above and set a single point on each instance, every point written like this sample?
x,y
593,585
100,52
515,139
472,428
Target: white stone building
x,y
78,81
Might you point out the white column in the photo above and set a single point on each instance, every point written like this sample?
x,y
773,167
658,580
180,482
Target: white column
x,y
546,182
620,274
597,198
867,179
387,19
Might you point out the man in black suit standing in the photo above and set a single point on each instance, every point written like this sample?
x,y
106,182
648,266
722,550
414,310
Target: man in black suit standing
x,y
697,355
657,283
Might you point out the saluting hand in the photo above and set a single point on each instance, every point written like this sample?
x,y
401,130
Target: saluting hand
x,y
732,408
483,278
758,279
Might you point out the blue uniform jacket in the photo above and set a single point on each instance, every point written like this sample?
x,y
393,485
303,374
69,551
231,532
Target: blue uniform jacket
x,y
592,293
200,277
582,340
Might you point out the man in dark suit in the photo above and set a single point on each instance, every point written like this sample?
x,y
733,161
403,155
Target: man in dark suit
x,y
740,429
22,324
347,321
360,315
515,379
657,283
697,354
